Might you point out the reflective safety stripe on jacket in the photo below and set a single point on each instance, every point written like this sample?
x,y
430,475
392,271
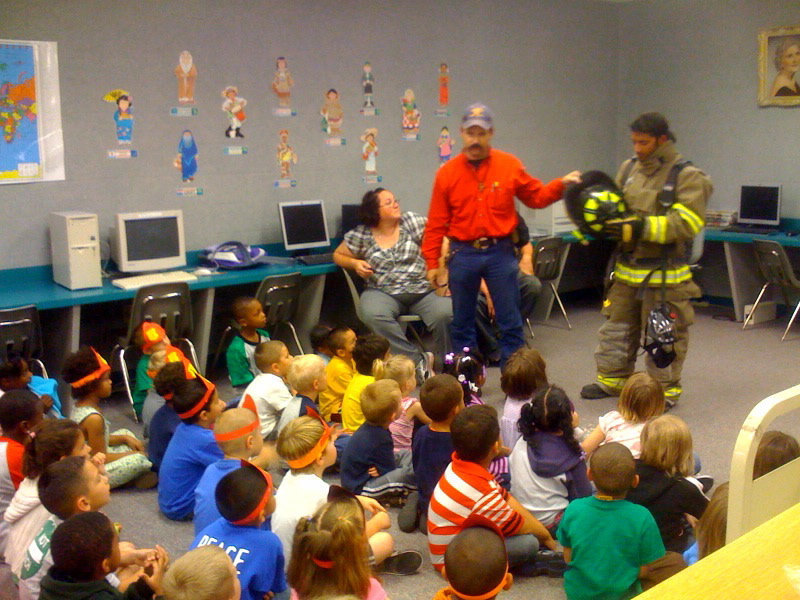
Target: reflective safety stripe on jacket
x,y
633,275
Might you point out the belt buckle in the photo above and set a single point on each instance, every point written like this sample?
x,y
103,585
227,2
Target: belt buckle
x,y
482,243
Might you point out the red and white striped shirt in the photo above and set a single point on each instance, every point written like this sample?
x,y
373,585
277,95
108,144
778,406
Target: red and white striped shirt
x,y
466,488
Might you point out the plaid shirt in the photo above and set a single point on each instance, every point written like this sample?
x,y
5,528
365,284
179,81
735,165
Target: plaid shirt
x,y
399,269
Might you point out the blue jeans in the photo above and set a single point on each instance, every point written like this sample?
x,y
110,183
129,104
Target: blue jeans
x,y
498,266
522,549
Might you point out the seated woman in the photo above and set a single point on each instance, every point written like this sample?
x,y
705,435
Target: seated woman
x,y
385,251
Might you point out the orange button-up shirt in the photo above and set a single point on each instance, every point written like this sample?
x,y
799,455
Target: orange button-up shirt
x,y
468,202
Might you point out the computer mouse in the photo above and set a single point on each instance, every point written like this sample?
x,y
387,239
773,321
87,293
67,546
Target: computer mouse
x,y
202,271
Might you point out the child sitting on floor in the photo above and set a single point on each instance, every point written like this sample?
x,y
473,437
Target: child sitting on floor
x,y
205,573
21,411
192,447
522,375
307,378
663,489
237,435
641,399
318,336
476,563
150,338
268,391
54,439
548,470
608,541
89,376
306,443
165,420
338,373
369,354
401,369
369,466
85,549
15,374
244,499
442,398
240,356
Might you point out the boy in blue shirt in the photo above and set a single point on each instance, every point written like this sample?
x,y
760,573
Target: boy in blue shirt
x,y
608,541
368,461
237,435
240,356
244,498
15,374
192,447
442,398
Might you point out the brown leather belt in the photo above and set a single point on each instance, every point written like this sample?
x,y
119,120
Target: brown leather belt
x,y
482,243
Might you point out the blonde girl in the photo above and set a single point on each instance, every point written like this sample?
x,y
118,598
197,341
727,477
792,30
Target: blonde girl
x,y
711,527
641,399
664,489
401,369
329,554
523,374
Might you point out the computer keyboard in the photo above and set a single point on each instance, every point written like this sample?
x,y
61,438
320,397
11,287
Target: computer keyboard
x,y
751,230
137,281
316,259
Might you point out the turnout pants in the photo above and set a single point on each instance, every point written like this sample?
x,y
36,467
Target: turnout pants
x,y
626,308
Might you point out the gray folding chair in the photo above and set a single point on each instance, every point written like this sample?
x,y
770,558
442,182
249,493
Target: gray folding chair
x,y
21,334
169,305
775,269
547,267
280,296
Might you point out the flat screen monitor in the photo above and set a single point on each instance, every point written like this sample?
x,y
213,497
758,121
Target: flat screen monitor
x,y
149,241
760,205
304,224
350,218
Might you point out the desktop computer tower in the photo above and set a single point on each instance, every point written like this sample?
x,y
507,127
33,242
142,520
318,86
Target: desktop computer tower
x,y
75,249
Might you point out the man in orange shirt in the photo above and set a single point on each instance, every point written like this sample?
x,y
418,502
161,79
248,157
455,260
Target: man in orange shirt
x,y
473,204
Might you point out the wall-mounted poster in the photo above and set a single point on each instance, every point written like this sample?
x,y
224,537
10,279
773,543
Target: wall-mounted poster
x,y
332,118
368,87
286,158
411,116
186,74
32,144
233,106
282,84
778,64
369,154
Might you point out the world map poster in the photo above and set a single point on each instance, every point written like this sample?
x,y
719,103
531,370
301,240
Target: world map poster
x,y
31,146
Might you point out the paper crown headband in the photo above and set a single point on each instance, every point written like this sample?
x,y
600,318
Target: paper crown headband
x,y
102,369
152,333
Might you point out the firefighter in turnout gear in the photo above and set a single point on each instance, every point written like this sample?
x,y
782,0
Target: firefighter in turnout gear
x,y
666,201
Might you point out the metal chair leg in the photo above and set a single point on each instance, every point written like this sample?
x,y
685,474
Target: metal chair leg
x,y
794,314
755,306
530,327
296,339
120,354
560,304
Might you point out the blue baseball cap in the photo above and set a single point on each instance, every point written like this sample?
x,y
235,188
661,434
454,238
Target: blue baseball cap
x,y
477,114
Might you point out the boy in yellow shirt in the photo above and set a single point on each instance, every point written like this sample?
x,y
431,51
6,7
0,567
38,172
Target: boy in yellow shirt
x,y
338,373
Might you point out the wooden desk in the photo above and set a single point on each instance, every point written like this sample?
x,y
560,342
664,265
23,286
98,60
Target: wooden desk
x,y
750,567
35,285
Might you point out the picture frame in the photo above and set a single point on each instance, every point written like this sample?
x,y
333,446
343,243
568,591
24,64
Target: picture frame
x,y
778,66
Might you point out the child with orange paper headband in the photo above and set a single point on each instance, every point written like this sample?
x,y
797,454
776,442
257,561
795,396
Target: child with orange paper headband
x,y
244,498
192,447
89,377
307,443
237,435
151,338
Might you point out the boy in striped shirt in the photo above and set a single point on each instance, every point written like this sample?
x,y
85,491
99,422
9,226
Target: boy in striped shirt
x,y
467,488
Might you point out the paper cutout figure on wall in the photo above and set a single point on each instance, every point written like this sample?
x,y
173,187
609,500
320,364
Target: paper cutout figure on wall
x,y
282,82
411,115
186,160
444,85
286,155
445,144
332,114
123,116
367,83
369,151
233,106
186,73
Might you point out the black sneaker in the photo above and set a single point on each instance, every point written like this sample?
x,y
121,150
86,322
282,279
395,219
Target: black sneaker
x,y
593,391
670,403
407,562
408,519
550,563
706,481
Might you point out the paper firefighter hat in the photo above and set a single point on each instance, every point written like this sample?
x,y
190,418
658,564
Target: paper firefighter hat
x,y
593,201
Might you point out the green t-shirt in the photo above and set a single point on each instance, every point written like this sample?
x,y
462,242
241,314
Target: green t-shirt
x,y
610,541
241,360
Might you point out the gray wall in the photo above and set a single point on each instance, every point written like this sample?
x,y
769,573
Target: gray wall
x,y
549,74
697,62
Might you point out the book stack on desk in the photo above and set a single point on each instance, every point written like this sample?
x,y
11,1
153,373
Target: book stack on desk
x,y
720,218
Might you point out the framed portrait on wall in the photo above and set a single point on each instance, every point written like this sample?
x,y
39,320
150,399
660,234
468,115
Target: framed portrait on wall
x,y
778,66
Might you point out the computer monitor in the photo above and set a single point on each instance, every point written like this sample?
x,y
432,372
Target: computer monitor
x,y
148,241
760,205
304,225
